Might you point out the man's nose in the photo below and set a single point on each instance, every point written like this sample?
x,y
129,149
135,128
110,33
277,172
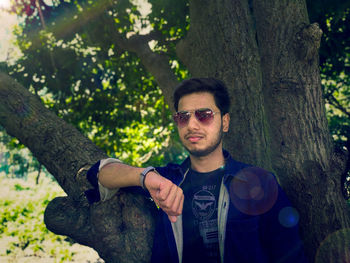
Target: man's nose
x,y
193,123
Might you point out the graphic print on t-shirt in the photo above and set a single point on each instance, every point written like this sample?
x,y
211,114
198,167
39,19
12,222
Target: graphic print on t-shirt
x,y
204,209
209,231
203,205
200,223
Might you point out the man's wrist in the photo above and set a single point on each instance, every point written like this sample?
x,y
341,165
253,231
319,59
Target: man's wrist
x,y
143,175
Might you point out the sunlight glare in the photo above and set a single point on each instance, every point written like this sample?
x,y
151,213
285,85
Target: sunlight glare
x,y
5,3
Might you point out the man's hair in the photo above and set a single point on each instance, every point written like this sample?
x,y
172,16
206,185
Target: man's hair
x,y
211,85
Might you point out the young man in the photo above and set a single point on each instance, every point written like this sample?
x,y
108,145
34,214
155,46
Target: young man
x,y
212,208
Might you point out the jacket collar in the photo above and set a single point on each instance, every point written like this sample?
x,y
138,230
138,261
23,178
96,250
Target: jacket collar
x,y
231,168
229,162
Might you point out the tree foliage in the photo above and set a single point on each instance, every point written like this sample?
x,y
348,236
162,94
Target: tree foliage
x,y
87,79
82,75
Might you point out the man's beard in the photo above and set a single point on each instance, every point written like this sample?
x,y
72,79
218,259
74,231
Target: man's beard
x,y
211,148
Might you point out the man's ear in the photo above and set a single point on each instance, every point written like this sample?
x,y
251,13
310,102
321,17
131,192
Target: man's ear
x,y
225,122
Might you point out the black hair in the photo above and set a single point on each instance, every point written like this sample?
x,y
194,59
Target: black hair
x,y
214,86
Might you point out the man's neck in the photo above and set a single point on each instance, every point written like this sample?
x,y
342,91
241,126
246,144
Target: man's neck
x,y
208,163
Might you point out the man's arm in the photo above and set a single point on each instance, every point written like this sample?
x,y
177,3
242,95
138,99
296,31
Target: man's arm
x,y
118,175
168,196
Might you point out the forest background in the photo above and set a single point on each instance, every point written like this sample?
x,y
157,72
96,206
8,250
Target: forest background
x,y
92,73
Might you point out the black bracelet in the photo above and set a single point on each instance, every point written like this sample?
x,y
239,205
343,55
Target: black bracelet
x,y
143,176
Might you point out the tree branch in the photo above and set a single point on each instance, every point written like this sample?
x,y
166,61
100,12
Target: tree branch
x,y
332,100
157,64
51,140
121,229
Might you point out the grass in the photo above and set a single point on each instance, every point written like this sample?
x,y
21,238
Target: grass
x,y
23,235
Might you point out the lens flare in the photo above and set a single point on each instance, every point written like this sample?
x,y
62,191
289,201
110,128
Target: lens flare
x,y
253,191
288,217
5,3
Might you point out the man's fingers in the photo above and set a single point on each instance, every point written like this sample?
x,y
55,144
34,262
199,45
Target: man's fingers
x,y
172,218
168,196
170,200
177,202
173,205
165,189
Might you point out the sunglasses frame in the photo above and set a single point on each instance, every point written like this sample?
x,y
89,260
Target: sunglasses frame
x,y
196,113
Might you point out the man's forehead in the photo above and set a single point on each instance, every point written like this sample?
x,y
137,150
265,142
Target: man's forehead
x,y
196,101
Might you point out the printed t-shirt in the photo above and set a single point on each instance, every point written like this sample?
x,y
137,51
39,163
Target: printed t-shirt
x,y
199,217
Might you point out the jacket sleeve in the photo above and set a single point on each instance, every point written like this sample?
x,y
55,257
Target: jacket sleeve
x,y
99,192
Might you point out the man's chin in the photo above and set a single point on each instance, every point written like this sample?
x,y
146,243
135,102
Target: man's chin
x,y
199,152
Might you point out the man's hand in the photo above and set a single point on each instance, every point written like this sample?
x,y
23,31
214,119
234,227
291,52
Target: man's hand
x,y
168,196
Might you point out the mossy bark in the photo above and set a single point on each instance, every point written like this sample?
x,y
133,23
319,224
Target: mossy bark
x,y
266,53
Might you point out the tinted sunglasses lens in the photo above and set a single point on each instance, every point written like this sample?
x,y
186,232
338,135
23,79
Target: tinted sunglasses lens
x,y
205,116
181,118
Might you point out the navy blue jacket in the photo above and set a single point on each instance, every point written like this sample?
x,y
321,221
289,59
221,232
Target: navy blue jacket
x,y
255,218
256,222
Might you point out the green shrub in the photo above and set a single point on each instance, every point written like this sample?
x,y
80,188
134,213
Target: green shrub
x,y
22,229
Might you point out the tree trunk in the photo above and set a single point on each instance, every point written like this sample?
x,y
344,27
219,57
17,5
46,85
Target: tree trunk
x,y
301,147
266,53
221,43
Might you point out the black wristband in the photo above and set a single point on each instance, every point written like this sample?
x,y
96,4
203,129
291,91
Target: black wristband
x,y
143,176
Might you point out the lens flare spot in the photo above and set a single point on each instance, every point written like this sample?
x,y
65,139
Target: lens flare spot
x,y
288,217
253,191
5,3
256,193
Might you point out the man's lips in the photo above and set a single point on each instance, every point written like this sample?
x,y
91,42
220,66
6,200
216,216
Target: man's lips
x,y
194,137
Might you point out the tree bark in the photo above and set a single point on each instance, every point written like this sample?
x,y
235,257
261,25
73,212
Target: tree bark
x,y
221,43
121,229
301,147
266,53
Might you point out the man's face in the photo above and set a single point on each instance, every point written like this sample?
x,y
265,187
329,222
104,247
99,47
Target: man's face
x,y
201,139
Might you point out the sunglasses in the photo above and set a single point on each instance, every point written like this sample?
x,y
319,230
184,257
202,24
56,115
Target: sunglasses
x,y
204,116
